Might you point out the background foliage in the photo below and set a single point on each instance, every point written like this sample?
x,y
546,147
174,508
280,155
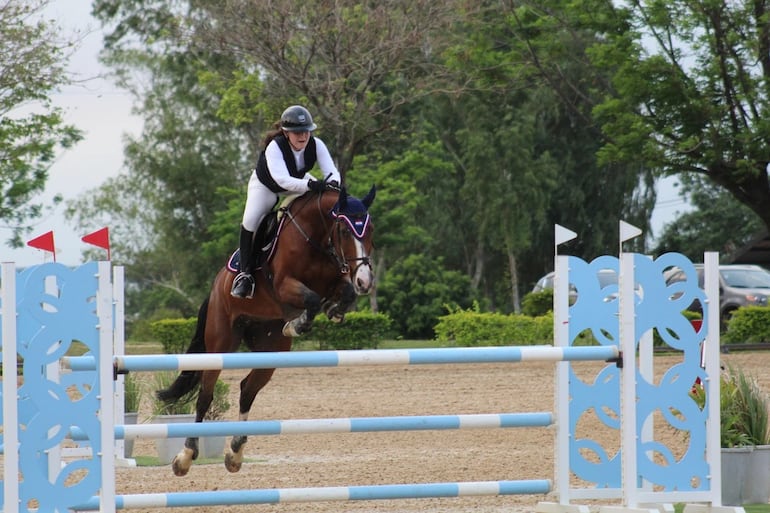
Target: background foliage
x,y
482,123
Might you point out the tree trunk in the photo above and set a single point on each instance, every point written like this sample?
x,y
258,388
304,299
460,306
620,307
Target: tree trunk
x,y
513,267
478,264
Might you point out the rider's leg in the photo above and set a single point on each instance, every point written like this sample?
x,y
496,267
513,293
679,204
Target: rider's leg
x,y
243,284
259,201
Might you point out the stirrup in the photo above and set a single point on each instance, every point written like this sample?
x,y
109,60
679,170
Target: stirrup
x,y
243,286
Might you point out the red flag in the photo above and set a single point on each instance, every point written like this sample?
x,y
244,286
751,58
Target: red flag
x,y
100,238
44,242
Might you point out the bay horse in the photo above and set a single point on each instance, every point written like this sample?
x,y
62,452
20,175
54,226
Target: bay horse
x,y
320,261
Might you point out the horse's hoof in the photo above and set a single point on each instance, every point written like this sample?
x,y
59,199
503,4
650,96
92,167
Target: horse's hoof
x,y
231,464
289,331
178,469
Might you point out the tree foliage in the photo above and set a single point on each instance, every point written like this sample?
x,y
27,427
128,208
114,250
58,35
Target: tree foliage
x,y
358,65
692,94
418,290
32,66
482,124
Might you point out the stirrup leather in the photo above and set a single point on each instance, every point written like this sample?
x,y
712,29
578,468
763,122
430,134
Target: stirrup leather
x,y
243,286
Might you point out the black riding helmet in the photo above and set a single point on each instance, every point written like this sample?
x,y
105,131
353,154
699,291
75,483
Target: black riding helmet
x,y
297,119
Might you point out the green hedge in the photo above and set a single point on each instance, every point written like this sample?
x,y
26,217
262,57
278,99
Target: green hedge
x,y
749,324
361,330
470,328
174,334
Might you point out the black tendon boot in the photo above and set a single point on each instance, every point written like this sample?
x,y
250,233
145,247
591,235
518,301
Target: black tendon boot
x,y
243,284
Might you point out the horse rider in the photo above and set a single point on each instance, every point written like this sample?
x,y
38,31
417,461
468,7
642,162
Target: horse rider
x,y
290,152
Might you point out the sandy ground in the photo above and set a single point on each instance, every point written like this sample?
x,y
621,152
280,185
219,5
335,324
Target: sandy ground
x,y
290,461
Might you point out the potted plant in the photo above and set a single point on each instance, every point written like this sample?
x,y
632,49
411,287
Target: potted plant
x,y
181,411
213,446
132,398
744,438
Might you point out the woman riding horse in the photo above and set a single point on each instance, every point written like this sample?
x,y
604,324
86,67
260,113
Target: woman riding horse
x,y
320,262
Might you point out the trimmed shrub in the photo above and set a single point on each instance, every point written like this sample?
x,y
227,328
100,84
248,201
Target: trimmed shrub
x,y
536,304
469,328
174,334
748,324
361,330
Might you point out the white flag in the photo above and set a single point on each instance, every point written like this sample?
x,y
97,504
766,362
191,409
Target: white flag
x,y
628,231
563,234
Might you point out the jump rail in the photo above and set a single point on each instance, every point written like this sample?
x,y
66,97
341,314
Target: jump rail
x,y
341,493
348,358
339,425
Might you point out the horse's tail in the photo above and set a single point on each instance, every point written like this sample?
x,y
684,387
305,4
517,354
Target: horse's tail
x,y
189,379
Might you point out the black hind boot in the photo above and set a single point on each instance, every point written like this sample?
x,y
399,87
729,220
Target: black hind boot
x,y
243,284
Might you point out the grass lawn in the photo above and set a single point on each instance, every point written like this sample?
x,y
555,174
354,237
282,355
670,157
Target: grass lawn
x,y
750,508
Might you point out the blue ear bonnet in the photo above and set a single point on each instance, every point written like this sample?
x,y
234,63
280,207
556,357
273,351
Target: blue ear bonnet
x,y
354,215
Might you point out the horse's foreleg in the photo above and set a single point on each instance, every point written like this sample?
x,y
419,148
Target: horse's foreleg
x,y
250,386
295,293
336,308
183,461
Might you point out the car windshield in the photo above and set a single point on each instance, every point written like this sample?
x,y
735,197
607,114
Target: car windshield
x,y
747,278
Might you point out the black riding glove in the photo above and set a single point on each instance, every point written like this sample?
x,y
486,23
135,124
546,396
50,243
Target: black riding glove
x,y
316,185
323,185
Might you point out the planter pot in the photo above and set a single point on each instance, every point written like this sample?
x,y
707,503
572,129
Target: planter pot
x,y
211,446
129,418
756,487
735,464
167,448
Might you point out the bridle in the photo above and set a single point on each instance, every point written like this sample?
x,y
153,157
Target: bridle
x,y
338,253
334,251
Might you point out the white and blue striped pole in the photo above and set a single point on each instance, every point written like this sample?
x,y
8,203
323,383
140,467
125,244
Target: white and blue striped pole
x,y
337,493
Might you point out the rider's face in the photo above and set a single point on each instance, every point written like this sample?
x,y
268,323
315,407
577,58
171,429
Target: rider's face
x,y
298,140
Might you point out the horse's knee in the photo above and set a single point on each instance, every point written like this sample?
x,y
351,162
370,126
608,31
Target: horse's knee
x,y
312,305
347,295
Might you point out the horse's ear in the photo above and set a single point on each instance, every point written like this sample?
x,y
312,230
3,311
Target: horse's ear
x,y
369,198
343,200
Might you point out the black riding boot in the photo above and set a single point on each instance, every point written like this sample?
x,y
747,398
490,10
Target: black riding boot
x,y
243,284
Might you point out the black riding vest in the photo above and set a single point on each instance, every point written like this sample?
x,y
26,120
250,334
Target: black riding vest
x,y
263,173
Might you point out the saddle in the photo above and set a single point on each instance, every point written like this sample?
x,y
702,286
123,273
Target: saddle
x,y
267,231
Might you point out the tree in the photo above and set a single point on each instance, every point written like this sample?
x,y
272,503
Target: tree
x,y
356,64
165,202
418,290
684,85
32,66
533,143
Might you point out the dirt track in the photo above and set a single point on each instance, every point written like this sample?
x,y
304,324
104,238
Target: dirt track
x,y
290,461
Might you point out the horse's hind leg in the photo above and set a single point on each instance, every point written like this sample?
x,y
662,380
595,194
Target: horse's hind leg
x,y
266,337
183,461
250,386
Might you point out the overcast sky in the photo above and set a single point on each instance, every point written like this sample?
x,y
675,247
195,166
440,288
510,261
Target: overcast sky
x,y
103,113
